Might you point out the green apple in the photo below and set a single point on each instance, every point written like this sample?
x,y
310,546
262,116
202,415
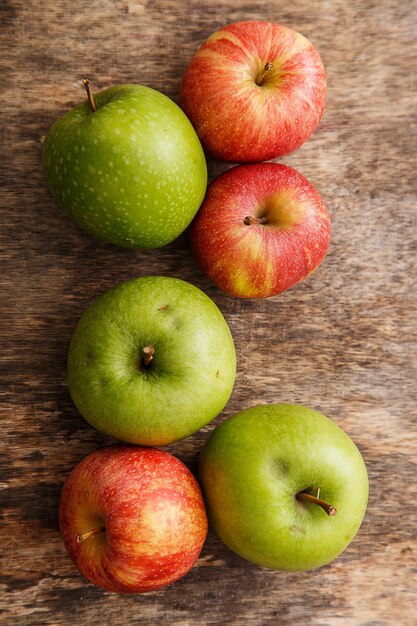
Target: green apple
x,y
127,166
284,486
151,361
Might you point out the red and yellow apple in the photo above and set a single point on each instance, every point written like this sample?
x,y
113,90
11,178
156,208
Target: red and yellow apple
x,y
261,229
132,518
254,91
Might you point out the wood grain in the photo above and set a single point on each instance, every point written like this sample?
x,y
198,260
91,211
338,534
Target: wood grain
x,y
343,342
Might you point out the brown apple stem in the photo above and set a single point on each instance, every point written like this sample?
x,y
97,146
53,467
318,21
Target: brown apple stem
x,y
268,67
253,220
330,510
148,352
91,533
86,84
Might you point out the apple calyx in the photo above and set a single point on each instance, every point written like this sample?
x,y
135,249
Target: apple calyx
x,y
86,84
90,533
148,352
328,508
267,68
254,220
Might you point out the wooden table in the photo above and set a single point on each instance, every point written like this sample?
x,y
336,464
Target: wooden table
x,y
342,342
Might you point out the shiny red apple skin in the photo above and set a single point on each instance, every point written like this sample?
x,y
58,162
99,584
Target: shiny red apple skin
x,y
151,508
235,118
260,260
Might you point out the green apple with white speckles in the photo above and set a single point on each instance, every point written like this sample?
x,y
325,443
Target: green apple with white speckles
x,y
127,166
284,486
151,361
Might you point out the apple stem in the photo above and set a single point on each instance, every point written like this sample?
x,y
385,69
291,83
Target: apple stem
x,y
254,220
330,510
268,67
86,84
91,533
148,352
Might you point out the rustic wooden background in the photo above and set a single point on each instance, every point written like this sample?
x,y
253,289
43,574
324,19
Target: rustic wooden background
x,y
342,342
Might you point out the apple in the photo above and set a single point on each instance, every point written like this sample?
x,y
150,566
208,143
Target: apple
x,y
284,486
151,361
254,91
261,229
127,166
132,519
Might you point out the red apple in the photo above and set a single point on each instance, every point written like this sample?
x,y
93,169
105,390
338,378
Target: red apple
x,y
132,518
254,91
261,229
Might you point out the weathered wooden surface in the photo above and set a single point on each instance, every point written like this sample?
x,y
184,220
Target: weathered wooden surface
x,y
341,342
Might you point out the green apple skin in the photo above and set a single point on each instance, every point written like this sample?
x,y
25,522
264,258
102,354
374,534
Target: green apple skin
x,y
133,172
255,463
186,385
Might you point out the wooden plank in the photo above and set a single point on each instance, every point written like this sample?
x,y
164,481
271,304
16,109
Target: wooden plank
x,y
343,342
